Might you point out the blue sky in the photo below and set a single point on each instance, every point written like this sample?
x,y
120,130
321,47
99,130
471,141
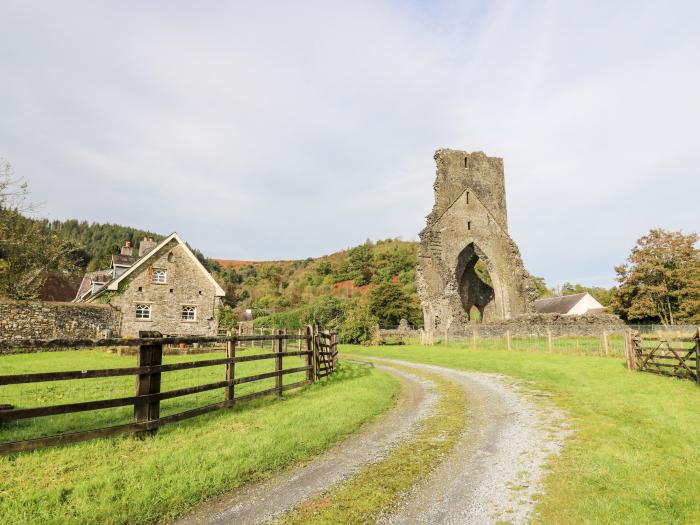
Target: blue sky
x,y
275,130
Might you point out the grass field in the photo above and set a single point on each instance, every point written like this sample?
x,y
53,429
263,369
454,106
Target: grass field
x,y
635,456
125,480
61,392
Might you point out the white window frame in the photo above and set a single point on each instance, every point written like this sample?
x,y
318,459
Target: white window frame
x,y
142,308
188,308
159,272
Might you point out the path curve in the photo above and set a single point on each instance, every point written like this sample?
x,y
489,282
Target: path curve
x,y
491,476
260,502
495,470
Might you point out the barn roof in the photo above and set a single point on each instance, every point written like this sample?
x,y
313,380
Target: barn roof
x,y
558,305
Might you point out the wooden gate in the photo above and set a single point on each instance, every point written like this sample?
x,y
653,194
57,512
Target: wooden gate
x,y
677,357
327,349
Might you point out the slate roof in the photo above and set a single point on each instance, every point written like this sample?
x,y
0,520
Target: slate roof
x,y
558,305
100,276
123,260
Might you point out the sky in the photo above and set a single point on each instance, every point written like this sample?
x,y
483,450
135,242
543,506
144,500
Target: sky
x,y
283,130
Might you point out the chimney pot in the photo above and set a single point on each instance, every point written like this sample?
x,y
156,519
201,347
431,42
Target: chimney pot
x,y
127,249
147,244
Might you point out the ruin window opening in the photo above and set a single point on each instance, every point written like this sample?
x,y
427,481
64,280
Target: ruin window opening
x,y
467,197
466,162
469,225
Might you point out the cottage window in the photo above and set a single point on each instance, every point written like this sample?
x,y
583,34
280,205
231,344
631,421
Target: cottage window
x,y
189,313
158,276
143,311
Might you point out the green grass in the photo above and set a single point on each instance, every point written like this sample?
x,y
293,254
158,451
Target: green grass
x,y
635,456
73,391
126,480
377,487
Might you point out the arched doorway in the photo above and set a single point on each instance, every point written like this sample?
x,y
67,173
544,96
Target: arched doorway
x,y
475,284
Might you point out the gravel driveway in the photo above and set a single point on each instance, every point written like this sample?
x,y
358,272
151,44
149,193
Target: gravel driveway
x,y
491,476
259,502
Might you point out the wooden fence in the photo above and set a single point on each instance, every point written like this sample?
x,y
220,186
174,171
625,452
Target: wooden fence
x,y
319,352
675,357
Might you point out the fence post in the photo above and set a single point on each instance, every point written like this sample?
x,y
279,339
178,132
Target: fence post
x,y
148,383
310,353
549,340
230,367
316,356
606,349
508,340
299,333
630,350
334,349
697,357
278,362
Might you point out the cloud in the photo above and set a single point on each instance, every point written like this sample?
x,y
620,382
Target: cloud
x,y
286,130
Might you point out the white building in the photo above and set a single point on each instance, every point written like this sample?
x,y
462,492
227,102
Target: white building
x,y
577,304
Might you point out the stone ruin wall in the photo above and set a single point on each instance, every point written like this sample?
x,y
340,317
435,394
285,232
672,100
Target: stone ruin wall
x,y
54,320
466,239
468,230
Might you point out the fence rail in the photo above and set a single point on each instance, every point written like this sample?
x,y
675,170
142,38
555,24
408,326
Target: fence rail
x,y
319,356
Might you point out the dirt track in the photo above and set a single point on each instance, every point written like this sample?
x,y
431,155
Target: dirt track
x,y
490,477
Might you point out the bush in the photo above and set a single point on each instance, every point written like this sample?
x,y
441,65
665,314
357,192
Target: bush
x,y
359,327
291,319
327,312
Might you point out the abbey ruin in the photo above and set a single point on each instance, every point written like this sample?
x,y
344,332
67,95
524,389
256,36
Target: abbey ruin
x,y
469,269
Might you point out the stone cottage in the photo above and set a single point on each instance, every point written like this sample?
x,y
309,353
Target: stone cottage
x,y
164,288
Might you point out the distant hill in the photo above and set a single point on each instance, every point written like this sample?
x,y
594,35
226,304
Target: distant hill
x,y
281,285
98,240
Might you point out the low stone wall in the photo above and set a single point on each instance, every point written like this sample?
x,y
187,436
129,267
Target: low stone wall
x,y
538,325
51,320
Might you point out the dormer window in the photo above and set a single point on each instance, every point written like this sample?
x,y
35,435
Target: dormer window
x,y
159,276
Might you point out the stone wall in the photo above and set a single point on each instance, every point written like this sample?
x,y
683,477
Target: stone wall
x,y
537,325
51,320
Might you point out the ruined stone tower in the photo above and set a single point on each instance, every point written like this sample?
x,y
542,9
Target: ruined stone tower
x,y
469,268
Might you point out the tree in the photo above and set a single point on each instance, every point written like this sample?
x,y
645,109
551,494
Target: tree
x,y
660,280
358,264
390,303
541,287
29,251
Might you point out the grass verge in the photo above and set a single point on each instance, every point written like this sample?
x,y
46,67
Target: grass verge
x,y
635,454
377,487
125,480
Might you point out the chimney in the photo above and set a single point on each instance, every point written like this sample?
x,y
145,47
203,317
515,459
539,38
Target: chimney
x,y
146,245
127,249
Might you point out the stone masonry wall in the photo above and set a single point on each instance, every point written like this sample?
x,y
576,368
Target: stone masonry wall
x,y
52,320
537,325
